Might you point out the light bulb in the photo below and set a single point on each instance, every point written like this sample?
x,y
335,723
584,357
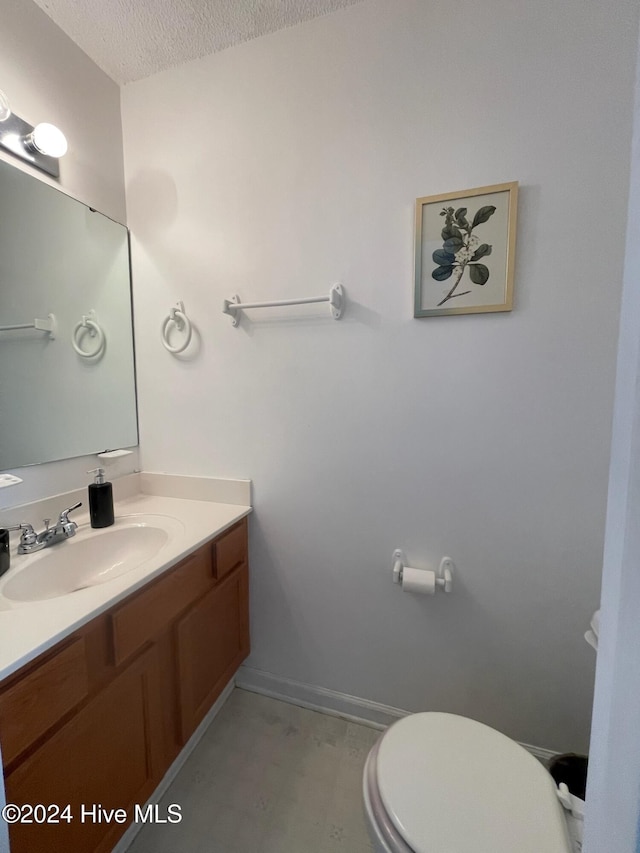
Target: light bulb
x,y
48,139
5,109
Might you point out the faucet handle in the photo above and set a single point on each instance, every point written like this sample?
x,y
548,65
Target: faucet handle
x,y
28,536
64,515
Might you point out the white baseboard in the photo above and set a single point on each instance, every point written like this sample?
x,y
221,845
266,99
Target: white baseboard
x,y
351,708
318,698
127,839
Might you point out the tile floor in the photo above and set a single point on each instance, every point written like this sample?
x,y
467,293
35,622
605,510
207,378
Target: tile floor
x,y
268,777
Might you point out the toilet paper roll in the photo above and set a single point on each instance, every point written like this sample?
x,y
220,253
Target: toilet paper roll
x,y
418,580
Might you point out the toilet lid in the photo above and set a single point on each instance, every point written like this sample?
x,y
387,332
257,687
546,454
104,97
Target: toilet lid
x,y
452,785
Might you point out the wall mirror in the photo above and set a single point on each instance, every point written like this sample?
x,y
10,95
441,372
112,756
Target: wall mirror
x,y
65,275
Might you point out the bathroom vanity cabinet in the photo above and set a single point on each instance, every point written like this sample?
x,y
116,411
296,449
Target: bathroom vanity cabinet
x,y
95,722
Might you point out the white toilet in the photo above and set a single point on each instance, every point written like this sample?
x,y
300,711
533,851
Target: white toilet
x,y
439,783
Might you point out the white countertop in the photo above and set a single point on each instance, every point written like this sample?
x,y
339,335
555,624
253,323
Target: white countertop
x,y
29,628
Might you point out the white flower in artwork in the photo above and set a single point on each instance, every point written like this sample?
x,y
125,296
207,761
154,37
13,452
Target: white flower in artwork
x,y
461,249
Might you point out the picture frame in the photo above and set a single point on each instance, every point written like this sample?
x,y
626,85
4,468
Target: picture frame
x,y
465,246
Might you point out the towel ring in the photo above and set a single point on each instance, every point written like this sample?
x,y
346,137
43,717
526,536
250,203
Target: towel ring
x,y
88,324
178,317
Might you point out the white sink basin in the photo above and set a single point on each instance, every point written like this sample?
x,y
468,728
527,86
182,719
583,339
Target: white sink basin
x,y
91,557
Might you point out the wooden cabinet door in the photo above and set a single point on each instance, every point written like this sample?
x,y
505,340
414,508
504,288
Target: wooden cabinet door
x,y
109,754
212,642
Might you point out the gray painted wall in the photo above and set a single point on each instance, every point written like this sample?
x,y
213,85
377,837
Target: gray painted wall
x,y
294,162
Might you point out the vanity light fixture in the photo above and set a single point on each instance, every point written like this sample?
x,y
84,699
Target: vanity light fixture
x,y
41,146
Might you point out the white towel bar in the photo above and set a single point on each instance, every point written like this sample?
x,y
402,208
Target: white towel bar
x,y
48,325
233,306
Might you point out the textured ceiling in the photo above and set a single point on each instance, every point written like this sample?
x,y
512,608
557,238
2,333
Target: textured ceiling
x,y
131,39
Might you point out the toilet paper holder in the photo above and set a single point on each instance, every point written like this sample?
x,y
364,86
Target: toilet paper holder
x,y
444,577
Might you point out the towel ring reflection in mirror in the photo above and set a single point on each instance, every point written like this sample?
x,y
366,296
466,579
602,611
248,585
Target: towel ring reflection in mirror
x,y
89,326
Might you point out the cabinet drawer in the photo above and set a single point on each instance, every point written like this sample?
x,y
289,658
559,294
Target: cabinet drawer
x,y
35,703
230,550
146,614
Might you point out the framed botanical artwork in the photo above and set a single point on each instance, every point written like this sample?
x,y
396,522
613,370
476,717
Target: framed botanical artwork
x,y
465,251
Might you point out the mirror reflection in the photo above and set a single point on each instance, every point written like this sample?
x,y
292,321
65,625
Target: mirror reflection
x,y
67,380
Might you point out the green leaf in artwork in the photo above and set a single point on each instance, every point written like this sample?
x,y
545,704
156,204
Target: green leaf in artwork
x,y
483,214
479,273
441,273
461,217
450,231
453,244
443,258
481,251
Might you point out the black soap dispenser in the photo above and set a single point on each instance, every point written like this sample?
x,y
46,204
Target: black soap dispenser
x,y
100,500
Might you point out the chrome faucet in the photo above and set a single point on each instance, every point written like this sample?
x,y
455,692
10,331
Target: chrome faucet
x,y
31,541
